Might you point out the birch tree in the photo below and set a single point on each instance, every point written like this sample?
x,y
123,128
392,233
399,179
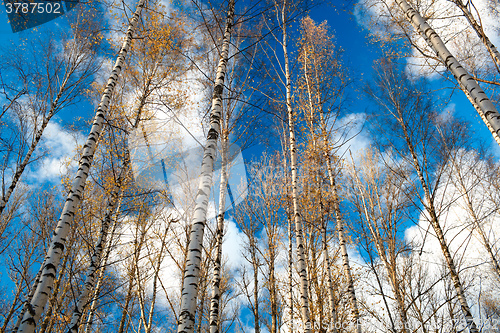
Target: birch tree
x,y
191,275
478,28
54,254
381,204
51,85
486,109
322,89
401,102
304,283
153,54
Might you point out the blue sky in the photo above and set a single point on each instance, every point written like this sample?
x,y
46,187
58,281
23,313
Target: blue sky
x,y
350,36
359,56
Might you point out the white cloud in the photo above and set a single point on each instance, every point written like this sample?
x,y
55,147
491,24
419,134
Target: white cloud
x,y
60,146
352,134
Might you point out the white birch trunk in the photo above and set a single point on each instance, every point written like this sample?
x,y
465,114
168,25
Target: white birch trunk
x,y
215,302
290,270
54,254
28,300
304,283
290,239
95,261
465,79
192,270
97,289
343,250
113,203
481,114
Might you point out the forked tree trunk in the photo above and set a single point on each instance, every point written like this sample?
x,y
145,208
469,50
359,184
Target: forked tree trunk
x,y
304,283
192,270
54,254
486,108
215,302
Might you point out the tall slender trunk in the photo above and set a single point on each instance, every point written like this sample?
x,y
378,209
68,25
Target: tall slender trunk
x,y
57,245
128,298
331,296
95,260
304,283
495,55
290,270
149,324
34,143
273,297
290,238
113,202
345,257
215,302
377,239
439,233
486,107
329,263
192,270
340,229
100,278
255,266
